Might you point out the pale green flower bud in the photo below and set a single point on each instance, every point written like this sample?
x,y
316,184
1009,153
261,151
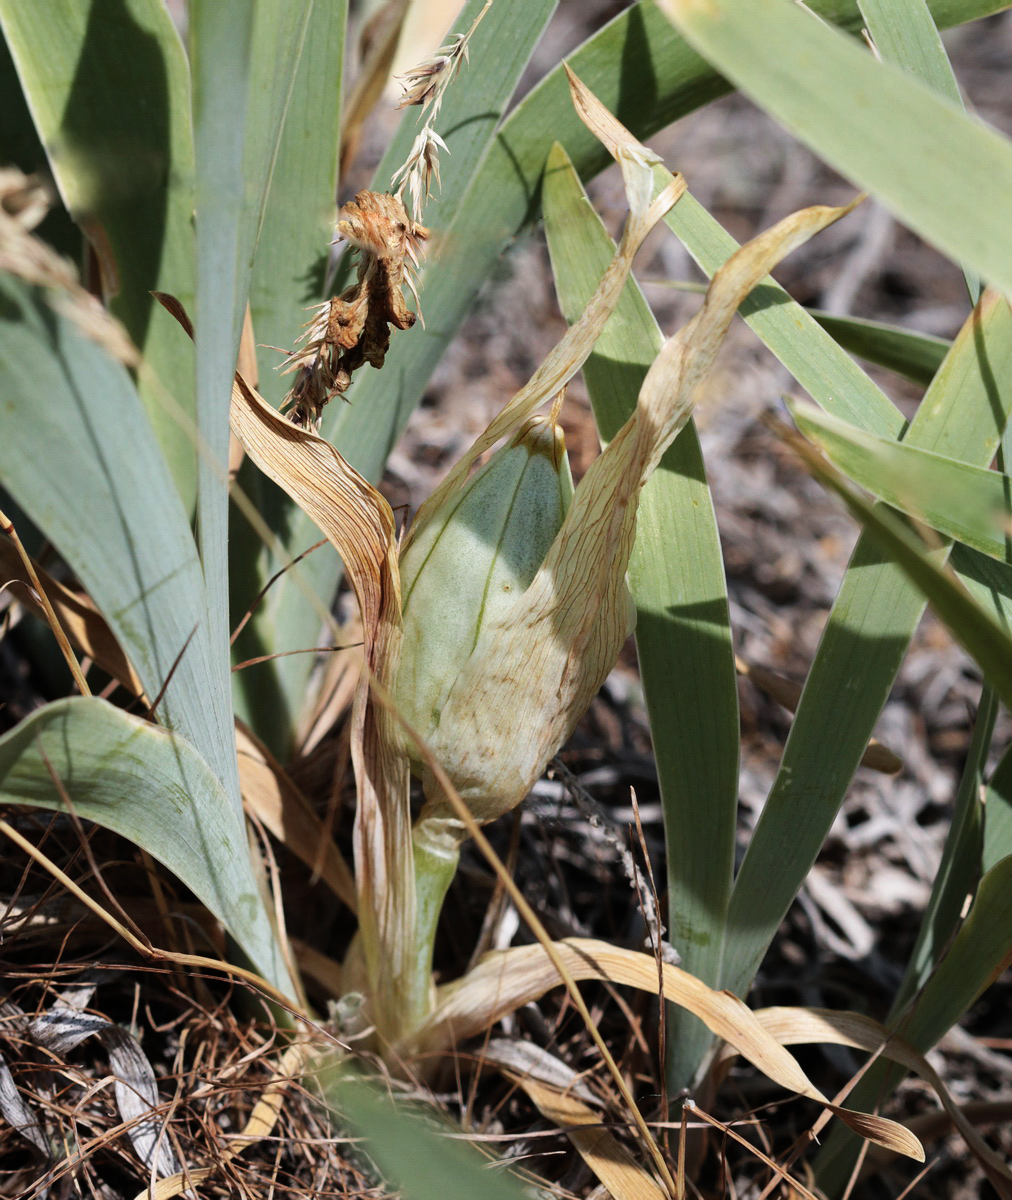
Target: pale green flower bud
x,y
472,561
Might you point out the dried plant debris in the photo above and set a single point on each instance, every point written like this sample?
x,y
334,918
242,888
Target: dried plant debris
x,y
354,328
24,201
45,1039
211,1106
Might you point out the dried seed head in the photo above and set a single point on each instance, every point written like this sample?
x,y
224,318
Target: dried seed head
x,y
422,83
354,328
420,168
426,85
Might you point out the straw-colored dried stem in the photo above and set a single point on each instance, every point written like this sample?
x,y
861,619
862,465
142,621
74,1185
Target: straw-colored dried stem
x,y
7,527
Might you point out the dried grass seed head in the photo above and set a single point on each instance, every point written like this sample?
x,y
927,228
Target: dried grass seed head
x,y
420,168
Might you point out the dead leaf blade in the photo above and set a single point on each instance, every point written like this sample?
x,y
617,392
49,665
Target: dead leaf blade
x,y
505,980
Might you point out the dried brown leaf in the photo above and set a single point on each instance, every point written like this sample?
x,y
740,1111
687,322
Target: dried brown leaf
x,y
803,1026
360,525
270,795
506,980
560,1097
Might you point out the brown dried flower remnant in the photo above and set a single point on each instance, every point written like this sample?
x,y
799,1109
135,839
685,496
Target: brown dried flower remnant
x,y
354,328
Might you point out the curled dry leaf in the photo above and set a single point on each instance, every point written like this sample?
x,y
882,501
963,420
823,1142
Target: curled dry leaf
x,y
804,1026
360,525
506,980
562,1098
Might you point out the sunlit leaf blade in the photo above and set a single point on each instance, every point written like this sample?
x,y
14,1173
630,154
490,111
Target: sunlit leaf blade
x,y
153,788
972,626
80,458
882,128
298,218
876,612
987,579
985,949
964,502
288,276
825,755
108,88
903,32
641,70
417,1157
830,376
244,57
916,356
682,629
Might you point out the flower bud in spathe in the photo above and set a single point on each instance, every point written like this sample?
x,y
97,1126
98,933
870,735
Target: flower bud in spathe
x,y
469,565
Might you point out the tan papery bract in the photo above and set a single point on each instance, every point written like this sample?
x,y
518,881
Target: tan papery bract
x,y
508,979
360,525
